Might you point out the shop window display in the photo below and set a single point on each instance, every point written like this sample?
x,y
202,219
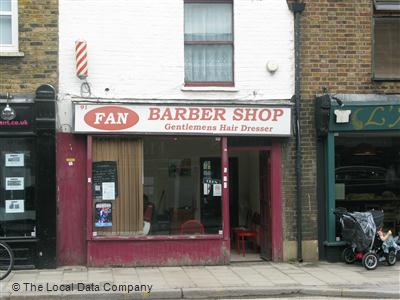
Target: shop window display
x,y
154,185
17,188
367,173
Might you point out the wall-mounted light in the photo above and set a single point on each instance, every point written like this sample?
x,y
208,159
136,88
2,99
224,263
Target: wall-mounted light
x,y
272,66
8,113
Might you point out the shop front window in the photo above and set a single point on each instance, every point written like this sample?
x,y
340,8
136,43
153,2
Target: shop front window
x,y
156,186
367,173
17,188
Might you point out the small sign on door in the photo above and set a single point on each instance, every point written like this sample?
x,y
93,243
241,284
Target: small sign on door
x,y
15,206
14,183
14,160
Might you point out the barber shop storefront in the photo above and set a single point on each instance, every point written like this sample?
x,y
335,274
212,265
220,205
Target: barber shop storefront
x,y
358,161
167,184
27,177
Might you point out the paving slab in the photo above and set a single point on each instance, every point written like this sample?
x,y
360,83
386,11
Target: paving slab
x,y
258,279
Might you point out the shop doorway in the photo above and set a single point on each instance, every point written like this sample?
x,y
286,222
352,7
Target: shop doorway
x,y
250,204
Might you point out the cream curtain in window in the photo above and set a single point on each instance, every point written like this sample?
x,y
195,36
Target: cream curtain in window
x,y
211,23
127,215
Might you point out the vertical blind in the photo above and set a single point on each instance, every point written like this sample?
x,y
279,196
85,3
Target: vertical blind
x,y
387,47
127,208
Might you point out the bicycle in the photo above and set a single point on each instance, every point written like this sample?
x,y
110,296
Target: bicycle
x,y
6,260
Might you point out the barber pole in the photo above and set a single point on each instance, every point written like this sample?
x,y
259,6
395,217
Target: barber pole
x,y
81,59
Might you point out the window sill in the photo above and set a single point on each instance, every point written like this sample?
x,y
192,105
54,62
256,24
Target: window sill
x,y
209,89
386,79
158,237
12,54
335,244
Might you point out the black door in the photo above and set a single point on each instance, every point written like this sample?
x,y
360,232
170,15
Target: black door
x,y
233,192
265,205
211,194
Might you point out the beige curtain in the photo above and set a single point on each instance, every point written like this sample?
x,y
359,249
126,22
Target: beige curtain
x,y
127,214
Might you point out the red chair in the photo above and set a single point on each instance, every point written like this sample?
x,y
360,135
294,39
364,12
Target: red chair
x,y
247,225
242,233
192,227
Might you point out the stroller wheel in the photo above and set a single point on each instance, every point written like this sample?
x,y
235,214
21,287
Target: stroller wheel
x,y
370,261
391,257
348,255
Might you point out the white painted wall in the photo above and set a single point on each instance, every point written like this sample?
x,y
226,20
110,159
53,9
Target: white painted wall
x,y
136,50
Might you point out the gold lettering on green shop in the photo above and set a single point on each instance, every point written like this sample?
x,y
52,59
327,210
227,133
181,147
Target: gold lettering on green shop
x,y
371,119
397,121
380,116
358,124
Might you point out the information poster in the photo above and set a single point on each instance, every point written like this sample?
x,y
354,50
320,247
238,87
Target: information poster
x,y
14,160
217,190
108,189
103,214
14,183
105,180
15,206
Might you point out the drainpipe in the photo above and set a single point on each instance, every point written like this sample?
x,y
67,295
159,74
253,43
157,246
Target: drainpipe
x,y
297,8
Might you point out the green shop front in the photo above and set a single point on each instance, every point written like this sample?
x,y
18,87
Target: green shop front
x,y
358,155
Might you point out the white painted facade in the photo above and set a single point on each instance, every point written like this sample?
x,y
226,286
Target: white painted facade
x,y
136,52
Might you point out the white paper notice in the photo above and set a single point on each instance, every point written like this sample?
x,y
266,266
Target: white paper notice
x,y
14,183
217,189
340,191
206,189
15,206
15,160
108,190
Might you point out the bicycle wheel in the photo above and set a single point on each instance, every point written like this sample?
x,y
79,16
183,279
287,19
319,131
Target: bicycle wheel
x,y
6,260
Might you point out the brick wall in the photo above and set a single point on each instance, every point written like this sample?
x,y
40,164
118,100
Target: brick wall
x,y
335,53
38,39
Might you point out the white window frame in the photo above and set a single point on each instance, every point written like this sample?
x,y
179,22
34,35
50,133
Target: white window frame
x,y
393,5
13,47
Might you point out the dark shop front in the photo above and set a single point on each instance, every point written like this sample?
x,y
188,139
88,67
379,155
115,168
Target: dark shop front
x,y
358,161
27,177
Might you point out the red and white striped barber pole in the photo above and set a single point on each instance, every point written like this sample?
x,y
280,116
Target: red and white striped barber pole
x,y
81,59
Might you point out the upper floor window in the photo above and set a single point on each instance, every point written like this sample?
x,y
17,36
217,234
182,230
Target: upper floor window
x,y
387,5
386,40
208,43
8,25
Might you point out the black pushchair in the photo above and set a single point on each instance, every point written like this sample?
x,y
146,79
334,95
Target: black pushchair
x,y
359,230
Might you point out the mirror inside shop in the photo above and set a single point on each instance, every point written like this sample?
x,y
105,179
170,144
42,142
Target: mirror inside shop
x,y
367,175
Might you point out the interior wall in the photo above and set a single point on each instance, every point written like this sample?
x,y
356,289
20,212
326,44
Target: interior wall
x,y
254,182
179,191
248,173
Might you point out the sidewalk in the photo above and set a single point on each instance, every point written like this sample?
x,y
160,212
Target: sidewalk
x,y
199,282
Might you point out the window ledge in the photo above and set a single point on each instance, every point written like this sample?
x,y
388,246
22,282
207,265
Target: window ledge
x,y
209,89
335,244
157,237
386,78
12,54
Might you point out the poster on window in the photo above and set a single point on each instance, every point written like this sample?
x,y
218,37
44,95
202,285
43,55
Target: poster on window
x,y
15,206
14,160
103,214
14,183
217,190
108,189
105,180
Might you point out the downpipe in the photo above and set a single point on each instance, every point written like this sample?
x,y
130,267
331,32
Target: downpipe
x,y
297,8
